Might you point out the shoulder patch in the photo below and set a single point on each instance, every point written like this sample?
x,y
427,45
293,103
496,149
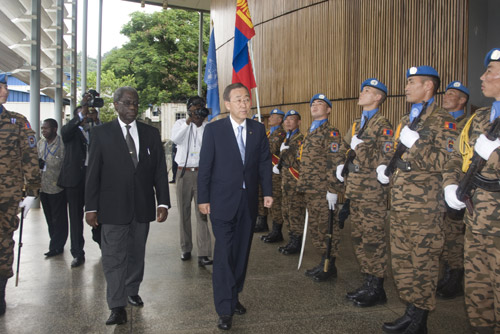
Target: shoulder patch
x,y
334,147
27,125
450,145
13,120
388,132
334,134
31,141
387,146
450,125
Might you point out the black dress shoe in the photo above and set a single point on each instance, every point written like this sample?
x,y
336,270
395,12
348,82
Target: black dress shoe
x,y
54,252
135,300
118,316
173,181
240,309
225,322
204,261
77,261
186,256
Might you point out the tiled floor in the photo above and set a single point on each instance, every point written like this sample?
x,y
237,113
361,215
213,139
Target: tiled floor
x,y
53,298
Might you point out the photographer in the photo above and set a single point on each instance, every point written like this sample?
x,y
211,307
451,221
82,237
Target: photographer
x,y
75,135
187,134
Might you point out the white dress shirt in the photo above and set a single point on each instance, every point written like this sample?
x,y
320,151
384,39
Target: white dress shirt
x,y
133,133
235,129
183,133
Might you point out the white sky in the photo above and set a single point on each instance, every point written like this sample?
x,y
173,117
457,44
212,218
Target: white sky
x,y
115,15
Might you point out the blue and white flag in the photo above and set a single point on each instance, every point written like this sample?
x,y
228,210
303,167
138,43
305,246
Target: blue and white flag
x,y
211,79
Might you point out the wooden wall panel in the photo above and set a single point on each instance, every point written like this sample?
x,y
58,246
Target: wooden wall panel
x,y
304,47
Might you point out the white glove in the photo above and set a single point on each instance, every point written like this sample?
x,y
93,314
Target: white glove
x,y
381,174
339,172
332,200
450,196
484,147
275,169
355,141
27,204
284,147
408,137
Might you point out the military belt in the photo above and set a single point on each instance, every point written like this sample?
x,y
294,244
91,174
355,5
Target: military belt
x,y
405,166
491,185
353,168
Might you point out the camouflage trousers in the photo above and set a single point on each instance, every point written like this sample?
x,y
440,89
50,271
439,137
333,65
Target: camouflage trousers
x,y
276,208
453,249
293,208
482,281
262,209
416,244
368,236
317,207
9,222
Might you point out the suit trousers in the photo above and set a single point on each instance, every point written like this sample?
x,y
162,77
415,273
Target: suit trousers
x,y
56,215
76,201
233,240
187,189
123,249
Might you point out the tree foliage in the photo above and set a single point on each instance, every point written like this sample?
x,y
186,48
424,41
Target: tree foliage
x,y
162,55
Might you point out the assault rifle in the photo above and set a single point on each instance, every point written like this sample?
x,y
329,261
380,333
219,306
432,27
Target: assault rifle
x,y
473,177
286,142
351,154
391,167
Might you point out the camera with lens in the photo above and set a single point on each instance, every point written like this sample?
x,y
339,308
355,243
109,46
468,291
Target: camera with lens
x,y
95,101
202,111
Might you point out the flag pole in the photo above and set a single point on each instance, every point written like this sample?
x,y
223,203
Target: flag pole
x,y
250,48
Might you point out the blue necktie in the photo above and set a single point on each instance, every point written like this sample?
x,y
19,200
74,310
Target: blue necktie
x,y
241,144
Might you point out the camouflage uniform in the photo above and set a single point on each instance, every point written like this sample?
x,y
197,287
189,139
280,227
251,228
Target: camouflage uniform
x,y
320,154
294,211
417,206
18,163
275,140
368,197
482,237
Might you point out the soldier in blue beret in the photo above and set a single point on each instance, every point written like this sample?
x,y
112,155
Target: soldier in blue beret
x,y
417,208
370,138
276,135
19,161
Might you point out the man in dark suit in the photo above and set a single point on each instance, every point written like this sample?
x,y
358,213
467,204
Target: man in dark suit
x,y
75,136
126,170
234,159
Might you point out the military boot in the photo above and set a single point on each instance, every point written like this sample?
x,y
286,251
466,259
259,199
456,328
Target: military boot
x,y
418,323
290,240
313,271
374,295
453,286
331,271
446,276
361,290
400,324
275,235
261,224
3,305
294,246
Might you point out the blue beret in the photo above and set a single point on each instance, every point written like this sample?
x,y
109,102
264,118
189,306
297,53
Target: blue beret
x,y
493,55
458,86
255,116
276,111
422,70
291,113
321,97
373,82
3,78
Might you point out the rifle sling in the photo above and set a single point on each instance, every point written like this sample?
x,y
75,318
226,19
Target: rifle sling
x,y
491,185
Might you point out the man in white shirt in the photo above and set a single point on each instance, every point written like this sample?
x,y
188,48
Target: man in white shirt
x,y
187,134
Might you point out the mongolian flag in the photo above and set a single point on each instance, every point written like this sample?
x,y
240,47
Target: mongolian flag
x,y
243,32
211,79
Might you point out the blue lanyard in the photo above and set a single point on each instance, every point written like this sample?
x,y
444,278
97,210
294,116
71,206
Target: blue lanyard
x,y
47,150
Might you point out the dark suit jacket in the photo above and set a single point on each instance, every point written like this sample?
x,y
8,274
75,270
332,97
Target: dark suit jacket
x,y
117,190
221,171
75,145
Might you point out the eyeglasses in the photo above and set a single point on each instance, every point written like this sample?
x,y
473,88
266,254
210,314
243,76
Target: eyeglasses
x,y
240,101
129,104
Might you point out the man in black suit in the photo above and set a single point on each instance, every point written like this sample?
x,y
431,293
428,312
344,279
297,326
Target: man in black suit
x,y
126,170
234,159
75,136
